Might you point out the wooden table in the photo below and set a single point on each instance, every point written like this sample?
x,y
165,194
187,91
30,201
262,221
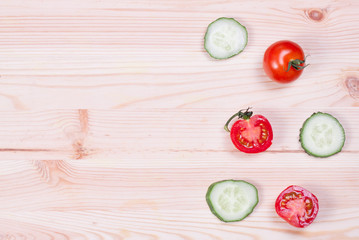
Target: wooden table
x,y
112,118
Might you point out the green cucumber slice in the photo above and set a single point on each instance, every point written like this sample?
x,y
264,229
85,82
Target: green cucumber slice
x,y
322,135
232,200
225,38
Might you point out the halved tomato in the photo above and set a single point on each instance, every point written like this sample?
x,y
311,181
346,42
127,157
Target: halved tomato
x,y
250,134
297,206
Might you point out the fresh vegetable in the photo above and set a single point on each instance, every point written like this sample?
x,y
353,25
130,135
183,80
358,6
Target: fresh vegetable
x,y
232,200
297,206
284,61
225,38
322,135
250,134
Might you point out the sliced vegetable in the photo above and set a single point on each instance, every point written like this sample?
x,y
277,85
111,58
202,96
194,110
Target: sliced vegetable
x,y
322,135
232,200
225,38
284,61
297,206
250,134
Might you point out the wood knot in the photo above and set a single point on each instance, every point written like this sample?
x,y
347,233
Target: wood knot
x,y
77,132
352,84
80,150
316,15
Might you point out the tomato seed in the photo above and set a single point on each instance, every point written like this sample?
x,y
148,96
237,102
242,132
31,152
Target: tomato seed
x,y
308,204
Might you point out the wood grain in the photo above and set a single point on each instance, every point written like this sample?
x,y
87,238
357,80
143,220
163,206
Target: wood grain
x,y
123,131
131,174
123,54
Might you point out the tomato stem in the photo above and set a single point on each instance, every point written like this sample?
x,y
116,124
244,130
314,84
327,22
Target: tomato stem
x,y
244,114
297,64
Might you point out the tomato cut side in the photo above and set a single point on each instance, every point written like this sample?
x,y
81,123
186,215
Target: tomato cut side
x,y
297,206
252,135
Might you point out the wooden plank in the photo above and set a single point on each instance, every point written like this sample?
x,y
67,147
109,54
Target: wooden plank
x,y
80,185
94,134
123,54
175,225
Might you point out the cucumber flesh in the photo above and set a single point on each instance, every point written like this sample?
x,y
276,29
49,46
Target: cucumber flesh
x,y
232,200
322,135
225,38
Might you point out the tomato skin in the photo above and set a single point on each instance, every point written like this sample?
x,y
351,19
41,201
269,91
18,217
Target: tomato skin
x,y
300,210
256,131
276,60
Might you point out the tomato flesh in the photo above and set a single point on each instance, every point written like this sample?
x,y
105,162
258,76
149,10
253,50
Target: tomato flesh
x,y
276,60
252,135
297,206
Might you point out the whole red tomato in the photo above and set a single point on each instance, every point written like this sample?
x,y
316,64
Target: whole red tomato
x,y
250,133
297,206
284,61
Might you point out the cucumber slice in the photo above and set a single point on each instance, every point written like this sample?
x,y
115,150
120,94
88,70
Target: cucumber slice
x,y
225,38
232,200
322,135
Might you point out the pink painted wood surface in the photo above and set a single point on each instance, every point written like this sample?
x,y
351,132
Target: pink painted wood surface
x,y
137,164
